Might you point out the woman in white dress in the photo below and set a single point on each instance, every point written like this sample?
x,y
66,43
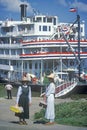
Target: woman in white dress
x,y
50,109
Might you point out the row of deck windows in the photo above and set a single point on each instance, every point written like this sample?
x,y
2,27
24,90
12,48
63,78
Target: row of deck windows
x,y
26,64
45,20
44,28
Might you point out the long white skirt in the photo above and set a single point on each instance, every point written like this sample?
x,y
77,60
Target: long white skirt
x,y
50,110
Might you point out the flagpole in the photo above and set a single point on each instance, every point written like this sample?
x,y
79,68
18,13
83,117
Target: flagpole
x,y
78,20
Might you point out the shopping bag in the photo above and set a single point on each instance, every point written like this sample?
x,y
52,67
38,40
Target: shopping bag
x,y
16,109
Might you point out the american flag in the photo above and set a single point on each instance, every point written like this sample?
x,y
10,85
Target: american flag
x,y
73,10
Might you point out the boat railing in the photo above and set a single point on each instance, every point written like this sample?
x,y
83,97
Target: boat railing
x,y
28,41
24,32
5,45
16,33
10,56
65,85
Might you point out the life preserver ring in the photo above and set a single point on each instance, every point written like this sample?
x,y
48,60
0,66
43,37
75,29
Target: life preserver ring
x,y
65,30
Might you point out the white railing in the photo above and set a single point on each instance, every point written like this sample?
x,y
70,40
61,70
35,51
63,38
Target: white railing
x,y
6,67
17,33
65,88
6,45
9,56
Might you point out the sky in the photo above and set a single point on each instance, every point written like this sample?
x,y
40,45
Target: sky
x,y
11,9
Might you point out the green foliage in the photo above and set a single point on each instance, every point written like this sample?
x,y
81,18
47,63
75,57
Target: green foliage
x,y
40,114
2,91
46,81
78,96
64,110
72,113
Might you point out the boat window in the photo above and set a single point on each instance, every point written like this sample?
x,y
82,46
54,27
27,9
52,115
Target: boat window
x,y
40,66
31,27
76,29
25,65
35,65
30,65
18,64
81,29
26,51
19,51
13,52
6,51
4,40
49,20
39,28
44,28
5,30
33,19
49,28
45,65
0,61
54,21
44,19
85,50
13,62
39,19
1,51
5,62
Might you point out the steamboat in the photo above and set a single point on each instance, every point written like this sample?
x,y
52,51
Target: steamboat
x,y
38,45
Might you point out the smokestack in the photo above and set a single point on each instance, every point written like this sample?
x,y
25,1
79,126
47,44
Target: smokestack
x,y
23,10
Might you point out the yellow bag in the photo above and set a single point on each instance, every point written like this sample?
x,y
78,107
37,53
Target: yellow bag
x,y
16,109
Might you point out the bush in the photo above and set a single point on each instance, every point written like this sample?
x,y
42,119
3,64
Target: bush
x,y
40,114
72,113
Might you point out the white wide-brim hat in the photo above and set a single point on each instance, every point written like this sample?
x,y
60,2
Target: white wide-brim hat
x,y
51,76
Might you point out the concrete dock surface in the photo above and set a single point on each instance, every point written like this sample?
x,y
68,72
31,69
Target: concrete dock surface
x,y
8,121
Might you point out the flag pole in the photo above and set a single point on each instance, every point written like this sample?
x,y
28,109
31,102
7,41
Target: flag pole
x,y
78,20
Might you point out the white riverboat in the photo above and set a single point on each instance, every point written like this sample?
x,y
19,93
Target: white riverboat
x,y
36,45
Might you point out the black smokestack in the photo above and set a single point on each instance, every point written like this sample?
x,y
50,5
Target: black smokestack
x,y
23,10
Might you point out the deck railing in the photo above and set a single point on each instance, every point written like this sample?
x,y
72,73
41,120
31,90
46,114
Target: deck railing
x,y
65,88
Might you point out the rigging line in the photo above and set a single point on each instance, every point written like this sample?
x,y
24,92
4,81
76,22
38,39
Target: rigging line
x,y
71,48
